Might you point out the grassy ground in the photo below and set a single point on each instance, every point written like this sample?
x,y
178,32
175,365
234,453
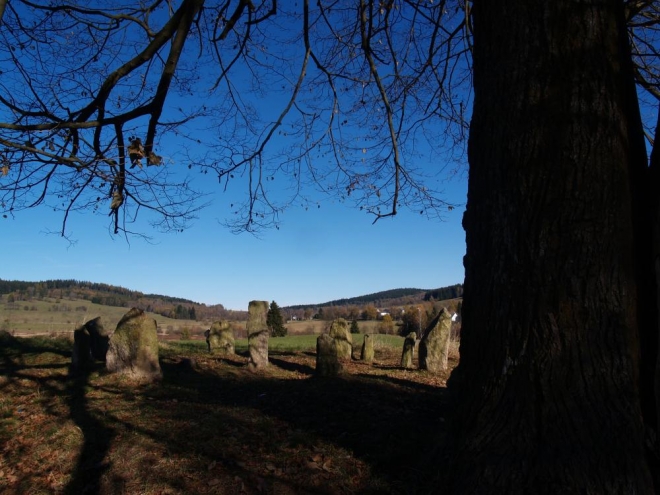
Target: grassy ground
x,y
211,426
321,326
62,316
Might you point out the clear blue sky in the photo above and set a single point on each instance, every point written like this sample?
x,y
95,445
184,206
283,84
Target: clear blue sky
x,y
316,256
319,255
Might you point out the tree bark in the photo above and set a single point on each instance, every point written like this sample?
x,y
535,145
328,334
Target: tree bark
x,y
548,382
654,195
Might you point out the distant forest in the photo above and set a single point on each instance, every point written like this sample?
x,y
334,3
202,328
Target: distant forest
x,y
394,297
185,309
111,295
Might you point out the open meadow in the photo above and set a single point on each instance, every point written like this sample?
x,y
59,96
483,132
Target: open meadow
x,y
212,426
51,316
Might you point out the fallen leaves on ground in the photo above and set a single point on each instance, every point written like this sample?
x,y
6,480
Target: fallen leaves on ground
x,y
215,428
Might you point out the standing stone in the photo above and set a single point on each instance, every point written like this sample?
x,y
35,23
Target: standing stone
x,y
207,334
408,351
368,348
341,332
258,334
434,347
327,360
133,348
100,338
81,357
220,338
90,343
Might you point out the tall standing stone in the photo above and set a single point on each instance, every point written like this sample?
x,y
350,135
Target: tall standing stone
x,y
434,347
221,338
90,344
258,334
327,360
100,338
368,348
133,348
340,331
81,357
408,351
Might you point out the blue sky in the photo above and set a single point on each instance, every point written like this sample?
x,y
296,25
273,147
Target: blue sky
x,y
326,253
316,256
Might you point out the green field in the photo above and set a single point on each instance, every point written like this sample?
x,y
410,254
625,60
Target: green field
x,y
52,316
291,343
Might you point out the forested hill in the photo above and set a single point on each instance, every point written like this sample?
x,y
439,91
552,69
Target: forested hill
x,y
394,296
111,295
44,288
176,307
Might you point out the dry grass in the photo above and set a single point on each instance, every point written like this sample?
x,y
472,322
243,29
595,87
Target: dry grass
x,y
211,426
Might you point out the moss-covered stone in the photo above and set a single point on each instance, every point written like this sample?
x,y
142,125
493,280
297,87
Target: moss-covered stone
x,y
408,351
133,348
258,334
257,314
340,331
221,338
327,360
434,347
368,349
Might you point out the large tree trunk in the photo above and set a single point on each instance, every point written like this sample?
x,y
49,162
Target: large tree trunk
x,y
548,383
654,195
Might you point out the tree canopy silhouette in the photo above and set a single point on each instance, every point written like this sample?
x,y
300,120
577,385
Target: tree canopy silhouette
x,y
314,97
559,381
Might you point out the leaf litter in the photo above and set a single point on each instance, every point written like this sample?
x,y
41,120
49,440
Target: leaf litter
x,y
218,428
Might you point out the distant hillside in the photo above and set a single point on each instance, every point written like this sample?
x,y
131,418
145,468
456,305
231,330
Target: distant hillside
x,y
369,298
111,295
393,297
185,309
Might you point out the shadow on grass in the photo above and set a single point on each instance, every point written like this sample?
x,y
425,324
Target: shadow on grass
x,y
390,423
97,437
422,387
293,367
220,420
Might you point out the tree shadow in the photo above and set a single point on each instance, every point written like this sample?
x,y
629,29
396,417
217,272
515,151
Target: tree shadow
x,y
97,437
293,367
196,413
391,424
401,382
